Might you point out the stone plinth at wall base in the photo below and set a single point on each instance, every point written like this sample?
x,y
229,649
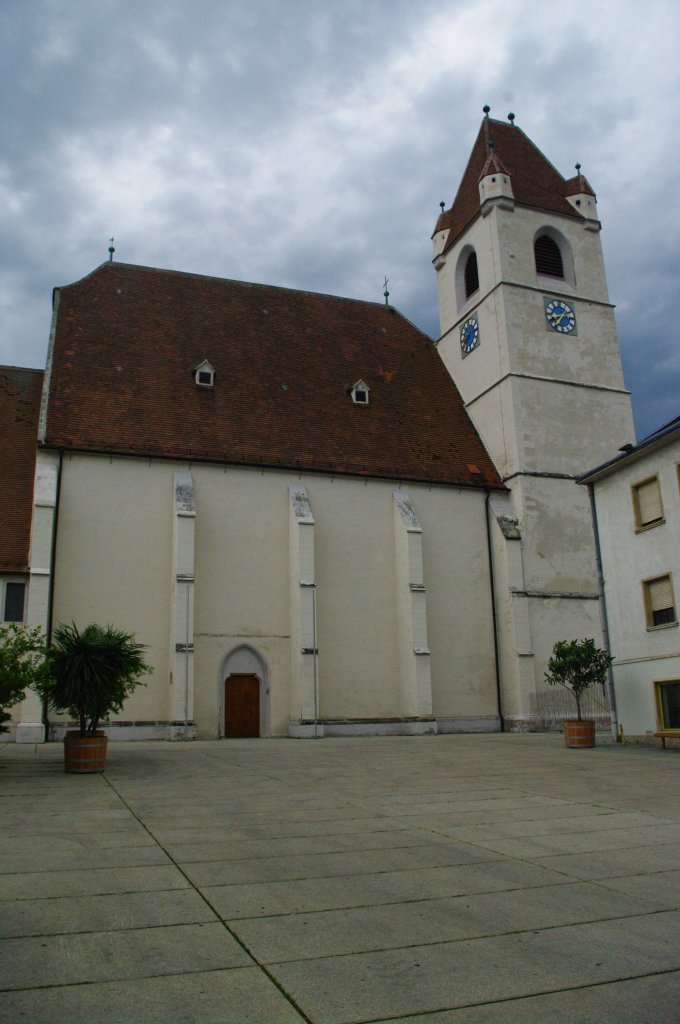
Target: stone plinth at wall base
x,y
523,723
305,730
120,731
650,740
180,731
485,723
30,733
365,727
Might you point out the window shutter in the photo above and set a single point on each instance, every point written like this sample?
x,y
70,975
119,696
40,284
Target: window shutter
x,y
14,602
548,257
660,594
649,502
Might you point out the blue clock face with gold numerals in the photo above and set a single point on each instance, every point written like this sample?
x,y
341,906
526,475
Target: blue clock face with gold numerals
x,y
469,335
560,316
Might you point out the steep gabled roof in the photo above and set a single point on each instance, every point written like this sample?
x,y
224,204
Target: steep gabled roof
x,y
127,339
535,182
20,392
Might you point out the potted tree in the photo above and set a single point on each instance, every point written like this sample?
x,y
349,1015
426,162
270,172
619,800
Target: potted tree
x,y
89,674
577,665
22,654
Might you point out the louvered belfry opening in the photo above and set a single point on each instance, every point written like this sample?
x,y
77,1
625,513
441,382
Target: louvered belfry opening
x,y
548,257
471,275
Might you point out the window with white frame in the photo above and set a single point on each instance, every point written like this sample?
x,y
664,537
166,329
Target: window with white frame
x,y
659,602
13,600
647,506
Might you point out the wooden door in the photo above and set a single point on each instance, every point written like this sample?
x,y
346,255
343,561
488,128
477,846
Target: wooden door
x,y
242,706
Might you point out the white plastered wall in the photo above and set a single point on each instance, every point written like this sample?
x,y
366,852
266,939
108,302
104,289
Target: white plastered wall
x,y
642,655
121,543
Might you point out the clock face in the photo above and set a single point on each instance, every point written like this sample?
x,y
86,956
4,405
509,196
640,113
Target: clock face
x,y
469,335
560,316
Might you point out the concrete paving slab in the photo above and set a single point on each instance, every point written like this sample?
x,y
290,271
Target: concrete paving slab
x,y
45,884
338,932
652,1000
81,859
578,842
518,812
361,862
16,840
228,849
68,915
610,863
375,986
68,843
661,886
107,956
44,819
310,894
238,996
604,820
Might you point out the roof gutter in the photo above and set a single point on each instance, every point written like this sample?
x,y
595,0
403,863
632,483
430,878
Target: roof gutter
x,y
50,593
603,613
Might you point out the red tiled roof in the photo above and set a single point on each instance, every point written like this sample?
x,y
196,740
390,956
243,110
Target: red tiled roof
x,y
20,392
127,339
579,183
535,182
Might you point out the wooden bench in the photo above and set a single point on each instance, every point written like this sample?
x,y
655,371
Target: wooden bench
x,y
667,734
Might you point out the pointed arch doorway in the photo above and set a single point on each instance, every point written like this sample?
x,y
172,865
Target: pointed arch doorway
x,y
244,695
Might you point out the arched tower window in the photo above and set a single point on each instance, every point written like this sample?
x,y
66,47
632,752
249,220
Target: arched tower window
x,y
548,257
471,274
467,276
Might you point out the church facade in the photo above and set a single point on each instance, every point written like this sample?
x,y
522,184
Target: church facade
x,y
319,521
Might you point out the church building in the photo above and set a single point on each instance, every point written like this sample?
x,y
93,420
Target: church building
x,y
318,520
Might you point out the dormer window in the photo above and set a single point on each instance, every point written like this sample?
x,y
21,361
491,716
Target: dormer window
x,y
204,375
359,393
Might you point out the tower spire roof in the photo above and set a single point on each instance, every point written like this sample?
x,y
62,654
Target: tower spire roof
x,y
503,147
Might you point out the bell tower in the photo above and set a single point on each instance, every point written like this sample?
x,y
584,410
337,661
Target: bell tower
x,y
528,335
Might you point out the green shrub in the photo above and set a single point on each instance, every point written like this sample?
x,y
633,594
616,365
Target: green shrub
x,y
22,654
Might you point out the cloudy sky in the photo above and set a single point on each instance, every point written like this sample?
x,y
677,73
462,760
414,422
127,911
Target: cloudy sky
x,y
307,143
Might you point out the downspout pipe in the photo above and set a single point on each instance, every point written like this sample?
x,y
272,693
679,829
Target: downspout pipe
x,y
50,591
494,617
603,613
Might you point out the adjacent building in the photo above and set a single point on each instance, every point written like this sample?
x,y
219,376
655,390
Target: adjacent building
x,y
636,501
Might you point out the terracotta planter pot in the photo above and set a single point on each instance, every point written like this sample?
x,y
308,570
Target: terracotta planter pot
x,y
579,734
85,753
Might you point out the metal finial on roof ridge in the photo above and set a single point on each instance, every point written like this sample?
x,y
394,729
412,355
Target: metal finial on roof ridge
x,y
442,205
578,169
486,109
386,293
511,118
111,250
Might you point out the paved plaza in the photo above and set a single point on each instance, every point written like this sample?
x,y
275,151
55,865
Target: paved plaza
x,y
438,880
